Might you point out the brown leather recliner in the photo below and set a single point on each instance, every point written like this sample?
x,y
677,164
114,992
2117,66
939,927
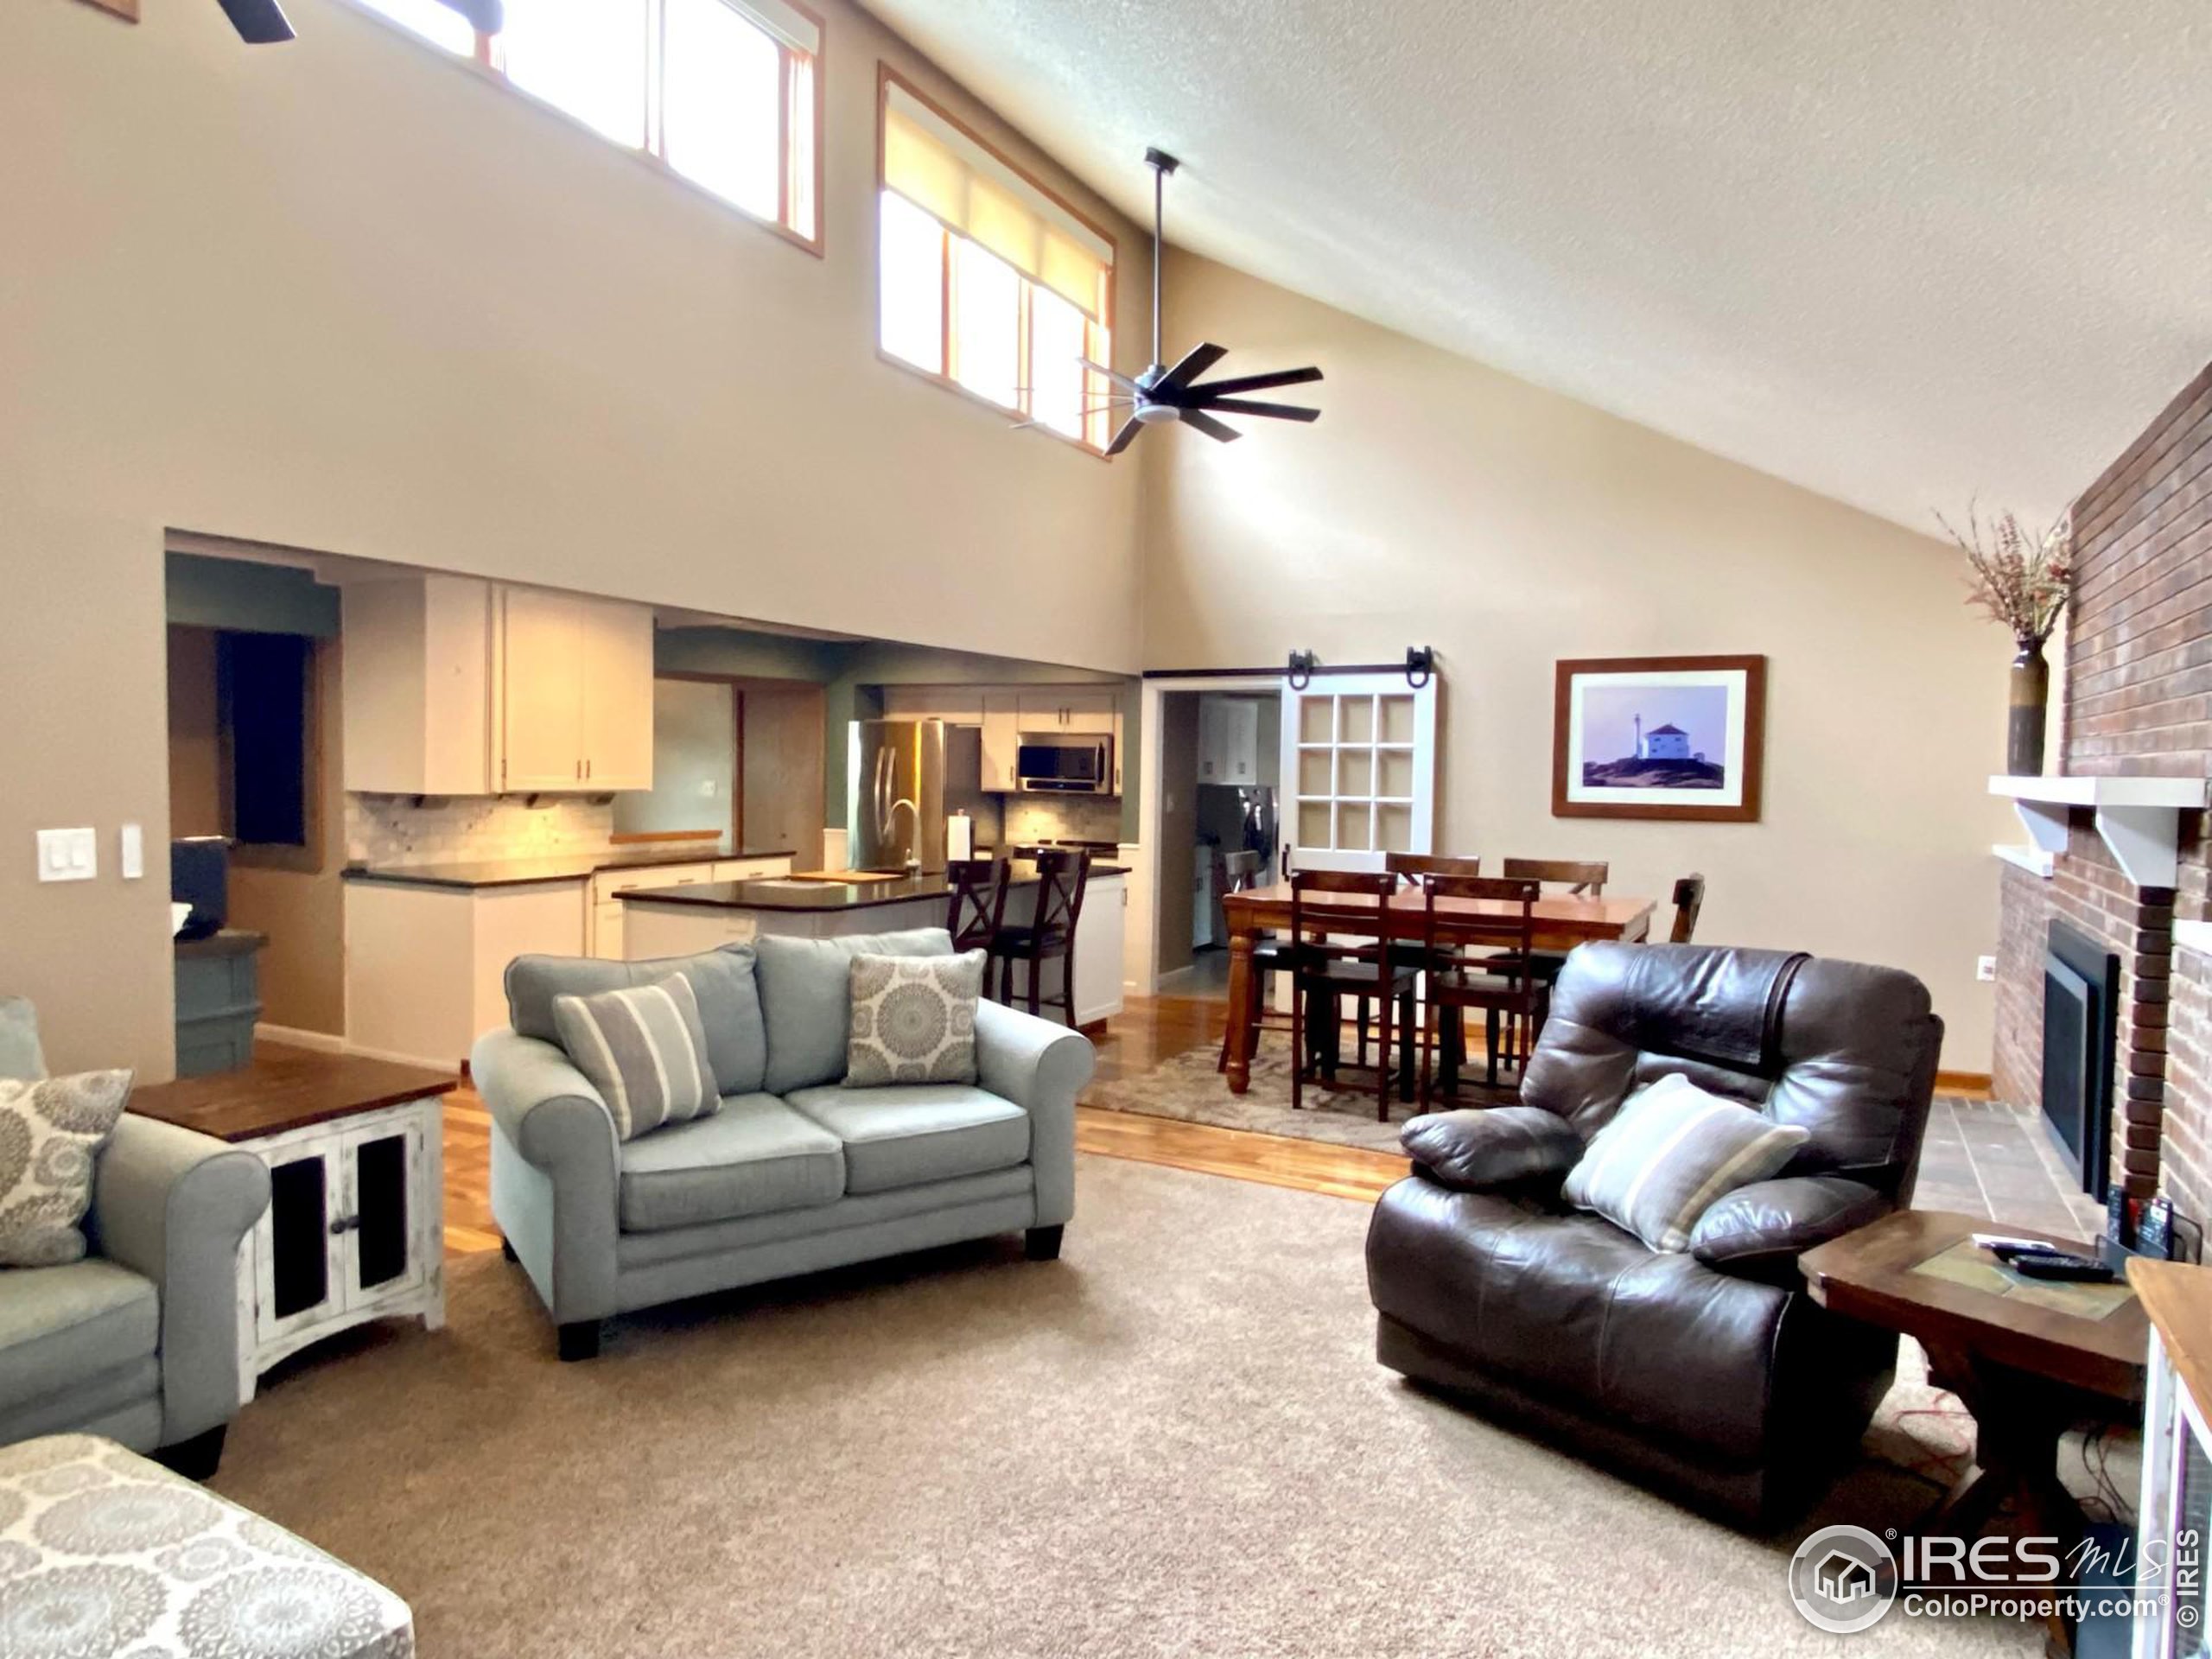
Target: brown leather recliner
x,y
1710,1374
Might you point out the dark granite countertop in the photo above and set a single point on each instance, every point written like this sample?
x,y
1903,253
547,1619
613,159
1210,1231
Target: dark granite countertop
x,y
566,867
783,894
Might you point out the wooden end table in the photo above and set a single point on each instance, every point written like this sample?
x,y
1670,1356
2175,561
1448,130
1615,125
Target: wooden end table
x,y
355,1227
2029,1359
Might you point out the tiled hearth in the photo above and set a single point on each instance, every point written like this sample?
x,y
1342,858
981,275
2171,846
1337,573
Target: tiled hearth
x,y
1984,1158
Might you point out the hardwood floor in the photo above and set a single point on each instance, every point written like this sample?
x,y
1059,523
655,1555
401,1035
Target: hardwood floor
x,y
1146,1032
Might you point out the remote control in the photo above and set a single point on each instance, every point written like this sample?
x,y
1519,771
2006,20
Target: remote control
x,y
2073,1268
2013,1248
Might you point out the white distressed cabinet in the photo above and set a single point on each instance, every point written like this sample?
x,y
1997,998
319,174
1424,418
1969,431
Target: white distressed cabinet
x,y
354,1231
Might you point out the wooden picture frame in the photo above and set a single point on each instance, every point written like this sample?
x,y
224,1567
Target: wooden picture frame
x,y
1657,724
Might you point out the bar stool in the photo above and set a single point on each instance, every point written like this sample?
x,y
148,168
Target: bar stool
x,y
978,905
1063,874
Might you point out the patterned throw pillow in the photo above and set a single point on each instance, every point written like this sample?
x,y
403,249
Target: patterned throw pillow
x,y
914,1020
49,1132
1672,1151
644,1050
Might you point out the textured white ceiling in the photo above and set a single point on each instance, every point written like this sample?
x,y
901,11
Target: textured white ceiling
x,y
1900,251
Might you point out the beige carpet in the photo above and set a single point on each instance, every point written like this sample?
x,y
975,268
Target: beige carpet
x,y
1173,1441
1186,1087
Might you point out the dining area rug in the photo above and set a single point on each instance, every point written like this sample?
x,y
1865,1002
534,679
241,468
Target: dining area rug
x,y
1187,1089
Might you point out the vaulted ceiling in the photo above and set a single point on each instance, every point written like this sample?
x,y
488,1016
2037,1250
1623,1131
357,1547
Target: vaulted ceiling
x,y
1900,253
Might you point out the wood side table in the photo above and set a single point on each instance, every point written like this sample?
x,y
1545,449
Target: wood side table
x,y
2029,1359
355,1227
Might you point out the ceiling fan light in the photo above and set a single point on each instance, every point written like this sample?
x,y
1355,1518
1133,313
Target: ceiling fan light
x,y
1156,414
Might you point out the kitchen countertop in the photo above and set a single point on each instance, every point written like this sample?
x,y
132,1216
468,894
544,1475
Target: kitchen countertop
x,y
565,866
782,893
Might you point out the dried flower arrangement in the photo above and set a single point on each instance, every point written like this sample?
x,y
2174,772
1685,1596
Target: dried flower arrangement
x,y
2021,579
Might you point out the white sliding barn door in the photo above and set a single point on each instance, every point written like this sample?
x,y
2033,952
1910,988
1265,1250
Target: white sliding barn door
x,y
1358,771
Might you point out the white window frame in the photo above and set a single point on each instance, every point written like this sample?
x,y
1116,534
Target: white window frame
x,y
1099,421
800,168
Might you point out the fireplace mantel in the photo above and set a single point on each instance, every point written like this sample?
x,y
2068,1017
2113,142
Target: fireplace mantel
x,y
2138,818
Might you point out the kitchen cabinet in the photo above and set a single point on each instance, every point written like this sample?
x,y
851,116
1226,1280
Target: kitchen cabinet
x,y
1045,710
1229,741
1101,933
426,965
457,686
576,682
955,705
1001,740
604,931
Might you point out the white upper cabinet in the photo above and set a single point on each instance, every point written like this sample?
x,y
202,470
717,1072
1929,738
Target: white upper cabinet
x,y
1044,708
1001,740
542,713
955,705
618,694
1229,741
455,686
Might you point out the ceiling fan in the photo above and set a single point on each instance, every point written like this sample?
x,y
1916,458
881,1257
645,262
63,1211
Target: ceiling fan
x,y
1161,394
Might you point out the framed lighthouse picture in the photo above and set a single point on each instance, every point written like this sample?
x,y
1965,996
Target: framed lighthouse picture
x,y
1659,737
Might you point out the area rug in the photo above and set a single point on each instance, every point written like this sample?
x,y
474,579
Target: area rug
x,y
1186,1087
1175,1440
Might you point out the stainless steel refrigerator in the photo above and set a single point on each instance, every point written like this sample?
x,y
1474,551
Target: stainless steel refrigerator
x,y
904,776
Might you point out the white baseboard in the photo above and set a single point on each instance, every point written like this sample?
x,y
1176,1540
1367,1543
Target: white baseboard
x,y
295,1036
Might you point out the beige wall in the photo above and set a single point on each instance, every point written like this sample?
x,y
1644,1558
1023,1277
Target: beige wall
x,y
1438,502
342,294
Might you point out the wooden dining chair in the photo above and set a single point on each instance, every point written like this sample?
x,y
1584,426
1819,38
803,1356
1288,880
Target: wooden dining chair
x,y
1584,877
1409,868
1063,874
1239,872
978,904
1480,961
1332,959
1689,899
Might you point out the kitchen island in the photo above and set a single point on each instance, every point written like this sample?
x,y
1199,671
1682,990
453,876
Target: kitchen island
x,y
675,922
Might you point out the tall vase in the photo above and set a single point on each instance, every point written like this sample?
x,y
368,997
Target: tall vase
x,y
2031,691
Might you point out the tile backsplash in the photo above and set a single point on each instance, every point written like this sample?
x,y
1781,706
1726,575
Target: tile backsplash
x,y
1063,817
402,830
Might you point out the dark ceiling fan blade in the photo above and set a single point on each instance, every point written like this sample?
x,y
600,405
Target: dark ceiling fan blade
x,y
1247,406
1126,436
1195,363
1261,382
259,23
1211,427
1121,380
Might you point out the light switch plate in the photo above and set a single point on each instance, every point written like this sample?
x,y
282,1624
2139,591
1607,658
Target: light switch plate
x,y
68,855
131,853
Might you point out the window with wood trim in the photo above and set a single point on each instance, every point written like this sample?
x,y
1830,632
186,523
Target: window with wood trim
x,y
987,281
723,94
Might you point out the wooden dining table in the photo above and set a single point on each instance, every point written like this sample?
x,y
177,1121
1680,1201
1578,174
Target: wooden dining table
x,y
1561,923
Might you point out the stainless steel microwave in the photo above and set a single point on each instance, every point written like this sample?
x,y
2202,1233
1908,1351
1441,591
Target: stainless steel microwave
x,y
1048,763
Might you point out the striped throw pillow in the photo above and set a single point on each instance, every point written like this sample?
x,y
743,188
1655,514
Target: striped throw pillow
x,y
644,1050
1671,1151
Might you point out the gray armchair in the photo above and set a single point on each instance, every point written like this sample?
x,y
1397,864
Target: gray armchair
x,y
139,1341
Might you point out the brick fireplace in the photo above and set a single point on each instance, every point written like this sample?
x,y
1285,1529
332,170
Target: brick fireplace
x,y
2137,704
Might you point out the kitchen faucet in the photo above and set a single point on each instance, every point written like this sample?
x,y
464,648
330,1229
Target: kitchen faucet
x,y
891,818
